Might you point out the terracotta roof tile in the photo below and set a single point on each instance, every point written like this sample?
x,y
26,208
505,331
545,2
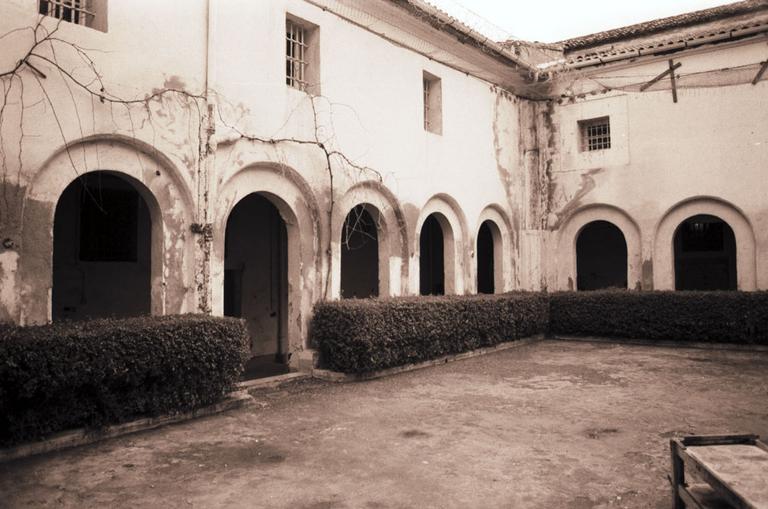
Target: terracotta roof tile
x,y
663,24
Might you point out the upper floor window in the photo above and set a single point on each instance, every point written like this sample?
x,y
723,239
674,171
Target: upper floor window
x,y
595,134
89,13
301,55
433,103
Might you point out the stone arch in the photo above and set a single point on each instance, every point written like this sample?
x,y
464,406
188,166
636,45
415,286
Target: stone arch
x,y
287,191
159,183
663,248
569,234
502,242
449,215
393,235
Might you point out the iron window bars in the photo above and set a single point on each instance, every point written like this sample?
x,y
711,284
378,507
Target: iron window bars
x,y
595,134
73,11
296,48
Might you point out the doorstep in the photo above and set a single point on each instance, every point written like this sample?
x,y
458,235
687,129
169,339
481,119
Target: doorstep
x,y
271,381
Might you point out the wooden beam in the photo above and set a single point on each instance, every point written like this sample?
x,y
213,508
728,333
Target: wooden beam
x,y
678,474
695,440
661,76
672,79
760,72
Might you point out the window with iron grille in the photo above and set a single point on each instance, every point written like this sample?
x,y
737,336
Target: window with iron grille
x,y
433,103
595,134
301,55
295,55
89,13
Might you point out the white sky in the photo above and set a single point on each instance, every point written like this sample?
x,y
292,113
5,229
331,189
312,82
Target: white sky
x,y
555,20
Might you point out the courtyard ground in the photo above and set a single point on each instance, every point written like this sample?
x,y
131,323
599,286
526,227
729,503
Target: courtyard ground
x,y
549,425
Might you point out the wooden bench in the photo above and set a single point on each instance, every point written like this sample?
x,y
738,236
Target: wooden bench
x,y
728,471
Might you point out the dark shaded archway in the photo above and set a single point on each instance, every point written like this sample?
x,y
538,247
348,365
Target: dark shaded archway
x,y
486,255
359,255
102,249
255,277
705,254
601,257
431,258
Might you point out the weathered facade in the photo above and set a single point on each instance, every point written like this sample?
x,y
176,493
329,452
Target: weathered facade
x,y
252,158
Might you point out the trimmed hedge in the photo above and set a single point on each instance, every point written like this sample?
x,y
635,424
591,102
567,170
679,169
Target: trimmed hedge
x,y
359,336
721,317
94,373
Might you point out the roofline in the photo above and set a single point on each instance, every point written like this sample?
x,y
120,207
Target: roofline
x,y
664,47
663,24
442,21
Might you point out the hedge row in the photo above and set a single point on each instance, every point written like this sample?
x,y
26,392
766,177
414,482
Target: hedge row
x,y
357,336
721,317
89,374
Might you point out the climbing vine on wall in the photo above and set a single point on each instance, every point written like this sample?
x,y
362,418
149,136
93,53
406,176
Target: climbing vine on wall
x,y
48,64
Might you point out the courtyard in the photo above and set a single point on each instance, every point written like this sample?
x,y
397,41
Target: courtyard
x,y
551,424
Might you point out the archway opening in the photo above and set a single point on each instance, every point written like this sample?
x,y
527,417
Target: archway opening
x,y
359,255
256,281
705,254
431,258
486,266
601,257
102,250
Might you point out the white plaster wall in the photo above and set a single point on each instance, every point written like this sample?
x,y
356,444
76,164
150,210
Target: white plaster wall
x,y
712,143
370,109
149,46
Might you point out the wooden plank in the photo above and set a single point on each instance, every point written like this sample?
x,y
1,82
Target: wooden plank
x,y
760,73
702,472
672,79
705,497
742,469
678,475
661,76
689,499
719,440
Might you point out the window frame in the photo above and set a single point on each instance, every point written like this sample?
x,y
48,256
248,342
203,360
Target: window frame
x,y
302,55
432,103
595,134
85,13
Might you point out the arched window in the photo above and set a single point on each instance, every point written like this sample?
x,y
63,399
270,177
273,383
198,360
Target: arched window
x,y
488,257
601,257
359,255
102,249
705,254
431,258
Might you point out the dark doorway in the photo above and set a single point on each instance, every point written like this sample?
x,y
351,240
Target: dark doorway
x,y
102,250
256,280
705,254
431,258
359,255
601,257
485,258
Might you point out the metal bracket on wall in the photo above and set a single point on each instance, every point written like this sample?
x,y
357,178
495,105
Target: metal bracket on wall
x,y
671,71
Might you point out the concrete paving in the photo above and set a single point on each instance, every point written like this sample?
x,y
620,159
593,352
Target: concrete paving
x,y
549,425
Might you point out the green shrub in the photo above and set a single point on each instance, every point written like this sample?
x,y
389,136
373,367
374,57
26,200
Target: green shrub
x,y
89,374
358,336
722,317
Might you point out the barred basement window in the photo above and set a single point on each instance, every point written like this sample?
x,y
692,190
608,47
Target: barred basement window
x,y
301,55
433,103
89,13
595,134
